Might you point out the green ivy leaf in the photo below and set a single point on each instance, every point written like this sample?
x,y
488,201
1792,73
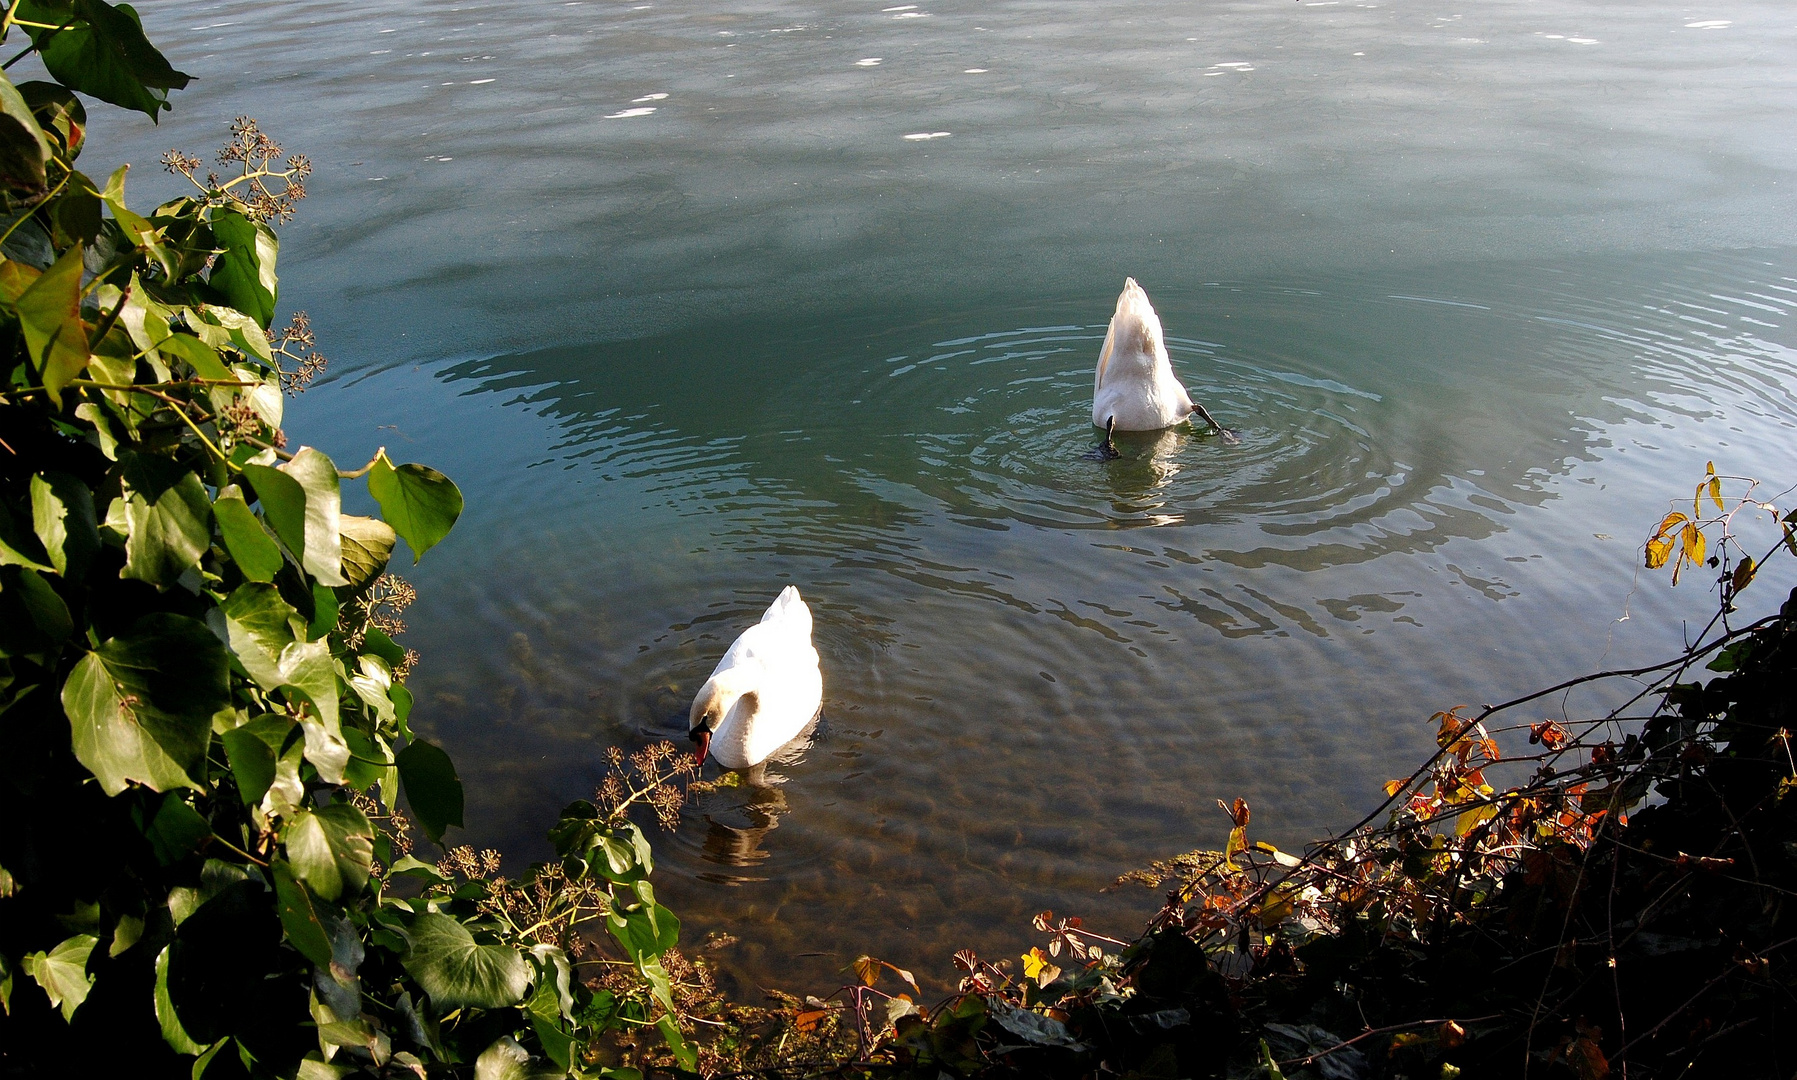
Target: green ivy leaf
x,y
376,641
16,548
331,850
670,1034
43,607
367,546
200,356
62,515
140,706
431,786
50,315
420,503
62,972
646,931
259,626
102,52
244,273
169,520
252,750
252,549
506,1060
457,972
59,115
299,916
172,1032
302,501
23,146
546,1021
176,830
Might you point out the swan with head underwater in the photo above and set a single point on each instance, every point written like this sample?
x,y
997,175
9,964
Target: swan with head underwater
x,y
1134,388
763,693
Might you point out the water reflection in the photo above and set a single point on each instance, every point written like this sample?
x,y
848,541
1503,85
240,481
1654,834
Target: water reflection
x,y
1146,462
734,838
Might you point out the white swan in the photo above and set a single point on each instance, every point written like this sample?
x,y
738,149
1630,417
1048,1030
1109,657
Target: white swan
x,y
764,691
1134,388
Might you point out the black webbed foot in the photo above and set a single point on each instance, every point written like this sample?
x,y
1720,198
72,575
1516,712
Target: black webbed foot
x,y
1229,437
1106,450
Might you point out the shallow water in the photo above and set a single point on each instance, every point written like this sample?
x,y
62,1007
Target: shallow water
x,y
1480,286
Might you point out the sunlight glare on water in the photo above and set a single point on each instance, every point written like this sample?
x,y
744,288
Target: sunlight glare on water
x,y
697,301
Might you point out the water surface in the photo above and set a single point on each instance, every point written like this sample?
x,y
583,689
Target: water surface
x,y
699,301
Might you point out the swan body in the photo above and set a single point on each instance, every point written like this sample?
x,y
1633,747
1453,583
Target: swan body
x,y
764,691
1134,388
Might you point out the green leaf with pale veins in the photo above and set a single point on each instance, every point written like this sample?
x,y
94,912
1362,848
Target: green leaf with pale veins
x,y
244,273
140,706
431,786
367,546
259,626
50,315
169,520
331,850
254,551
420,503
62,515
62,972
506,1060
458,972
102,52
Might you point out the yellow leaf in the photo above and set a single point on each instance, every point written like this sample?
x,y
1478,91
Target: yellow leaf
x,y
1744,571
1276,907
1474,818
1392,787
1658,551
1280,857
807,1021
1238,843
1037,969
1692,543
1668,523
1716,494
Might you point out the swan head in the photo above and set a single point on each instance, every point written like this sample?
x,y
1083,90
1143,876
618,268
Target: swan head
x,y
720,694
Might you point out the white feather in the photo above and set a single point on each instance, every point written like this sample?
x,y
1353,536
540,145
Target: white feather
x,y
768,684
1134,383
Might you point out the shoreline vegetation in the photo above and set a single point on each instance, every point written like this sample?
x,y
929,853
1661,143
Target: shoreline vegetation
x,y
210,787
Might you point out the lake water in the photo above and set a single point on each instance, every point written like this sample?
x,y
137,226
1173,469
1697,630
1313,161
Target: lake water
x,y
695,301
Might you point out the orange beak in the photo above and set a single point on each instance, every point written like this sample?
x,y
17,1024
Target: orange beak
x,y
703,738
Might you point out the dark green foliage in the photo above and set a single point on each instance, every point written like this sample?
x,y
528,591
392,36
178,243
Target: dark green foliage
x,y
204,729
